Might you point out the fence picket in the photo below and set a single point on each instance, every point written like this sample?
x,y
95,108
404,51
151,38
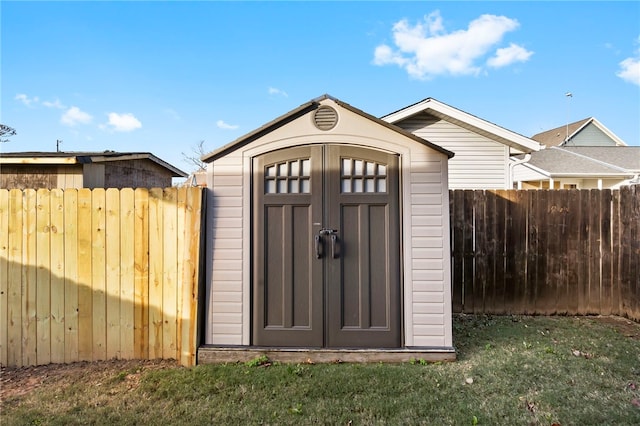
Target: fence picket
x,y
98,274
4,273
113,273
71,275
42,296
29,269
170,272
155,272
141,271
85,298
606,293
14,279
57,276
127,272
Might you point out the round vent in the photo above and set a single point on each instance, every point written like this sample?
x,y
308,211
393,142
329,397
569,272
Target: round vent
x,y
325,118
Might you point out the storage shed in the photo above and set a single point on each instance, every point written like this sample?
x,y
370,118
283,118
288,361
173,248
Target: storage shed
x,y
328,238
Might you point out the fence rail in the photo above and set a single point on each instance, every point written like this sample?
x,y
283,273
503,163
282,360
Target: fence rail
x,y
89,275
546,252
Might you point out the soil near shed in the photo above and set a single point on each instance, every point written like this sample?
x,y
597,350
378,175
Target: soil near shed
x,y
21,381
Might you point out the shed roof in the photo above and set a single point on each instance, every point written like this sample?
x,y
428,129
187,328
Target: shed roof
x,y
465,120
559,135
302,110
586,161
76,157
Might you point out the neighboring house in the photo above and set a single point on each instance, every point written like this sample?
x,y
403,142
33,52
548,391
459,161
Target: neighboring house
x,y
582,155
328,229
106,169
581,167
587,132
482,149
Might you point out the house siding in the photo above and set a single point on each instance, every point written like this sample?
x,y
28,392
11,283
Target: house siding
x,y
136,174
425,225
479,162
591,135
40,176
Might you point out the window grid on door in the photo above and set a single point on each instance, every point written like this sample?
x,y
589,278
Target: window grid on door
x,y
288,177
360,176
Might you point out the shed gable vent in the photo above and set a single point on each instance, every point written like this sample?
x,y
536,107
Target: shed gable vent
x,y
325,118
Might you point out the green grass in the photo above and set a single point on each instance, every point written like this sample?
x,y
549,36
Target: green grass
x,y
510,371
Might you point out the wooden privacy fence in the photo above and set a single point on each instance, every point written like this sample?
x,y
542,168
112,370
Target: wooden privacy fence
x,y
546,252
98,274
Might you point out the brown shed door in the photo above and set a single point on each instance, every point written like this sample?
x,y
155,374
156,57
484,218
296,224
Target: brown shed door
x,y
326,248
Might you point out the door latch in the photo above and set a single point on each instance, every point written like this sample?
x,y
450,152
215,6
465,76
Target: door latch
x,y
335,247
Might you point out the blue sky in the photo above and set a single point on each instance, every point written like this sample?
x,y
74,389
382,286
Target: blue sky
x,y
163,76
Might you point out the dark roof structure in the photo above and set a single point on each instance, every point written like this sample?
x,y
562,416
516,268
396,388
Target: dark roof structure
x,y
74,157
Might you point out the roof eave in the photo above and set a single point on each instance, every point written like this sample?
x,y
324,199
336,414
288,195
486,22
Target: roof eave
x,y
465,119
395,128
302,110
261,131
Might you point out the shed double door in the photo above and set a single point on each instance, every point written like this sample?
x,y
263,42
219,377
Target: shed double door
x,y
326,248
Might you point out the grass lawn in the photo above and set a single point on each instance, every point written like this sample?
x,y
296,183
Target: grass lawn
x,y
510,371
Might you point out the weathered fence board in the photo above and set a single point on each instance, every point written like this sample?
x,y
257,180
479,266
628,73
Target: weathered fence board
x,y
546,252
85,273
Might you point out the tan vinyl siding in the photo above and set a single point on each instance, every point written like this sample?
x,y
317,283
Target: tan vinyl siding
x,y
427,250
225,296
479,162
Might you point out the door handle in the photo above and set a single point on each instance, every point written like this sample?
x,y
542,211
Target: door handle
x,y
335,248
318,246
335,245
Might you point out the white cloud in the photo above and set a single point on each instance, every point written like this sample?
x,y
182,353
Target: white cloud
x,y
26,100
126,122
274,91
222,125
630,68
509,55
55,104
74,116
426,50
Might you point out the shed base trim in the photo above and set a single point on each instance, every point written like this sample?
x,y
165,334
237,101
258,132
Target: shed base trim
x,y
210,354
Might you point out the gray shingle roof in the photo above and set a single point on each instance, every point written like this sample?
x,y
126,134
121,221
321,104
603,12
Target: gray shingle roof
x,y
588,160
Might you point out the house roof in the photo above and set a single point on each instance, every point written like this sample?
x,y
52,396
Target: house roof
x,y
464,120
302,110
558,136
74,157
587,161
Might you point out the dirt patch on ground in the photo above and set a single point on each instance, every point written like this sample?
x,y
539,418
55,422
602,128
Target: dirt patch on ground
x,y
21,381
624,326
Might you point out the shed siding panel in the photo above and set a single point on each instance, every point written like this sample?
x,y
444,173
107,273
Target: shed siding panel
x,y
226,264
479,162
427,250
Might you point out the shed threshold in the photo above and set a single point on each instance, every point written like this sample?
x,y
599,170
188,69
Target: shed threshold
x,y
211,354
